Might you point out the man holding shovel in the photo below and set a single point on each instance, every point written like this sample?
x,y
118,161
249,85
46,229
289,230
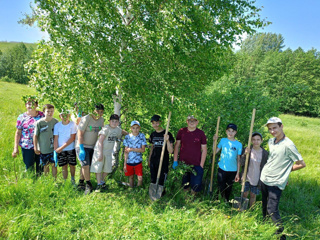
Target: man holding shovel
x,y
157,139
192,143
283,158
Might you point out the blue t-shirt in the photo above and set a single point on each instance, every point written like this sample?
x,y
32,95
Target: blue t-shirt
x,y
131,141
229,152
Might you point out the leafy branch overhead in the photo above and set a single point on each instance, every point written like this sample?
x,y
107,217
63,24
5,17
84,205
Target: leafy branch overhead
x,y
147,49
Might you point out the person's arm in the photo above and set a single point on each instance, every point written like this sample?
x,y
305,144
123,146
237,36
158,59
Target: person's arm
x,y
55,142
203,154
80,136
141,150
17,137
298,165
35,144
169,144
66,144
176,150
100,147
237,178
125,161
124,132
151,150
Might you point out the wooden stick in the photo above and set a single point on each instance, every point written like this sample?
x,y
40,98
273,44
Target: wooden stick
x,y
214,153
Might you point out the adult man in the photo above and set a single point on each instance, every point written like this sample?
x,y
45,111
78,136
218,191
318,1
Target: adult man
x,y
88,130
283,158
193,151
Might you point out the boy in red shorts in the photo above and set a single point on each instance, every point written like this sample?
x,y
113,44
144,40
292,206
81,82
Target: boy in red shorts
x,y
135,144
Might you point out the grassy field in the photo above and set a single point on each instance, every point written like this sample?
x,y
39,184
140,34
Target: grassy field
x,y
4,46
46,209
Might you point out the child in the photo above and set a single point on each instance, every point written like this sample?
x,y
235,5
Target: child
x,y
135,144
229,163
88,130
257,159
157,139
103,150
43,139
64,136
191,147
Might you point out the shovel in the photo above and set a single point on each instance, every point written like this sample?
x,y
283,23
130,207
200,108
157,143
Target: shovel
x,y
155,190
241,203
214,154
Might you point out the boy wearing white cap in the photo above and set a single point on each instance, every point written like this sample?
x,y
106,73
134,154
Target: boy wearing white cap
x,y
135,144
283,158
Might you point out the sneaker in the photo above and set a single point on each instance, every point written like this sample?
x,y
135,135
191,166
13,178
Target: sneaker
x,y
81,186
99,188
88,190
104,187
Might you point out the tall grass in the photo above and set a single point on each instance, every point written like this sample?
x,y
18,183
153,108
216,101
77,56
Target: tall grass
x,y
44,208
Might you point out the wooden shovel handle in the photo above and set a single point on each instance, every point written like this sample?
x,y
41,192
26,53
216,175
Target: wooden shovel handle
x,y
247,155
164,146
214,153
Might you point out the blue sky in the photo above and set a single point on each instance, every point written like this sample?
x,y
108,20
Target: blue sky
x,y
297,20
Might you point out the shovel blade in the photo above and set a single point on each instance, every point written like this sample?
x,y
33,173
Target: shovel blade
x,y
155,191
240,203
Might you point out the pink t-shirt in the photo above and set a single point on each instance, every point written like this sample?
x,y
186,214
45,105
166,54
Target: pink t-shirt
x,y
190,148
25,123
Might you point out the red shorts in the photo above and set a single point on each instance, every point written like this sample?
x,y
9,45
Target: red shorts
x,y
131,170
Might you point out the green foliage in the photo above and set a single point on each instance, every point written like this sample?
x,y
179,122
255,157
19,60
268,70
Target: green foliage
x,y
6,79
47,209
12,63
144,51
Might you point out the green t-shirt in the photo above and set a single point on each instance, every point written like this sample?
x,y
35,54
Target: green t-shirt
x,y
44,131
282,156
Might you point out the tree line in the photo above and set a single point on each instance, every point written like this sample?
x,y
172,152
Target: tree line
x,y
12,63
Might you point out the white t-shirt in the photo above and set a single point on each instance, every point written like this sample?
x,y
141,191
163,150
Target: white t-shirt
x,y
64,133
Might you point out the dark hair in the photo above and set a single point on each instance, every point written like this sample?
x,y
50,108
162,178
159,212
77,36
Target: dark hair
x,y
47,106
257,134
280,124
99,106
114,117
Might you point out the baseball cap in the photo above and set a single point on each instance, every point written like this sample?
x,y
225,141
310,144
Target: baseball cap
x,y
191,117
135,122
257,133
155,118
232,126
273,120
114,117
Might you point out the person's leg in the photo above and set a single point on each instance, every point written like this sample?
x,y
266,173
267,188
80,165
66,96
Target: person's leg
x,y
54,170
131,181
46,169
273,206
245,194
153,172
252,199
72,160
28,156
72,171
98,176
229,182
63,163
221,182
104,175
139,181
39,167
196,180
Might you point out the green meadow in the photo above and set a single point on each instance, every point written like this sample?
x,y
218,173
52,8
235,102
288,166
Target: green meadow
x,y
5,46
44,208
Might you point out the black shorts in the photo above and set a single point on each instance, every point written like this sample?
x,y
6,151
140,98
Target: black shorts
x,y
67,157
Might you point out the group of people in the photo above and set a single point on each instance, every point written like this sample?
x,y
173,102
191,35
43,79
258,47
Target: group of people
x,y
46,142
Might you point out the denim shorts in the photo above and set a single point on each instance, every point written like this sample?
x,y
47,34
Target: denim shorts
x,y
46,158
254,189
193,180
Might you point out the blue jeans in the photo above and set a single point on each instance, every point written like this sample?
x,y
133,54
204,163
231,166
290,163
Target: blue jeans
x,y
195,181
30,158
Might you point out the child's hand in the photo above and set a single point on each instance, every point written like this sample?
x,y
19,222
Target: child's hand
x,y
128,149
166,137
36,151
100,157
125,168
59,150
237,178
247,151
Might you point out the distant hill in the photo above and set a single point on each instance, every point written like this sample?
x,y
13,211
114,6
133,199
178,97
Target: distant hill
x,y
4,46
